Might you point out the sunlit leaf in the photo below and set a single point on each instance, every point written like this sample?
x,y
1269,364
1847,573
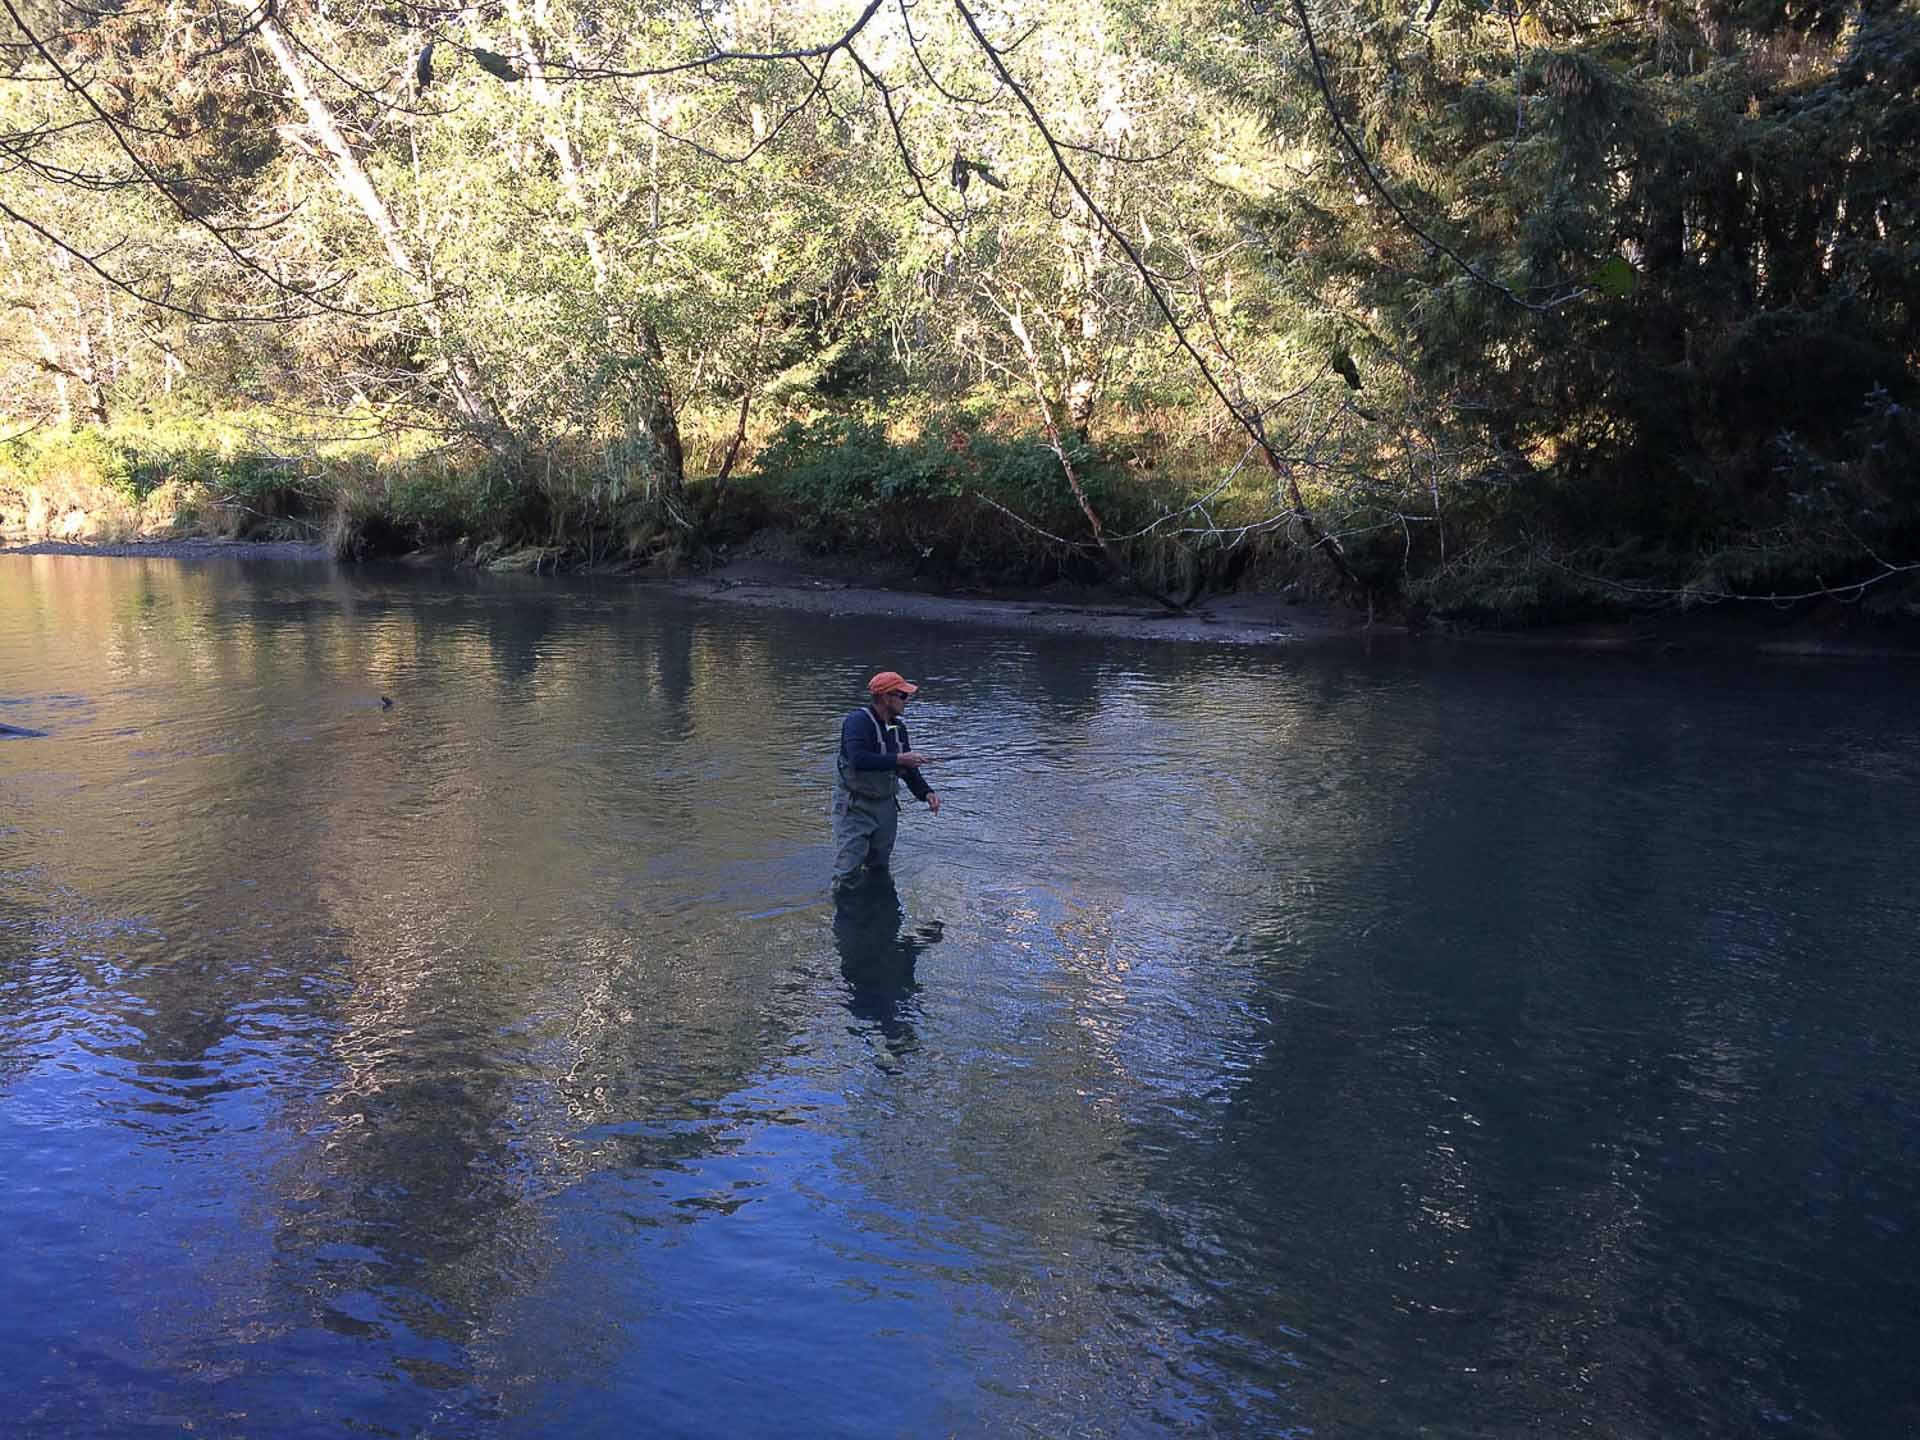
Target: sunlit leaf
x,y
1617,278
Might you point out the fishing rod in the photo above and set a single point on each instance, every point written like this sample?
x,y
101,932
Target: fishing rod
x,y
1005,754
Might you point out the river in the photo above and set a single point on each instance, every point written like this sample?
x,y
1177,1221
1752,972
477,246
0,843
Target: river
x,y
1260,1042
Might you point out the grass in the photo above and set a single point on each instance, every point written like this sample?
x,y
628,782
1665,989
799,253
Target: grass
x,y
963,494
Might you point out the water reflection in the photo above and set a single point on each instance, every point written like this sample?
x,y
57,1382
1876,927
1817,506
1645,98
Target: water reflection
x,y
1316,1045
877,959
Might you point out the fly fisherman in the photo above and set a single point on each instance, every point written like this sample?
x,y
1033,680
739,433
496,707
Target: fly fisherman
x,y
875,756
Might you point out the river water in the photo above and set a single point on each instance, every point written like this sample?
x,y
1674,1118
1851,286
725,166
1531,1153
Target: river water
x,y
1259,1043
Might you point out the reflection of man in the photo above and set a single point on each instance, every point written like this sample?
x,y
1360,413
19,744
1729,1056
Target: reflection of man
x,y
875,755
876,960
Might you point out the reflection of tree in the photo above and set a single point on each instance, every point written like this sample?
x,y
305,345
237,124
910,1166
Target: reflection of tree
x,y
468,968
24,941
1522,1019
520,637
379,918
502,904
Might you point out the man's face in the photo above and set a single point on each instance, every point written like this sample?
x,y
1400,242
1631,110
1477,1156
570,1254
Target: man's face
x,y
889,704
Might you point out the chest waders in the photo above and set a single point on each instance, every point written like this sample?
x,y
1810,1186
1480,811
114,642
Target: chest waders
x,y
866,815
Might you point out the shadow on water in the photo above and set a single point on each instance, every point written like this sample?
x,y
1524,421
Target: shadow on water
x,y
877,959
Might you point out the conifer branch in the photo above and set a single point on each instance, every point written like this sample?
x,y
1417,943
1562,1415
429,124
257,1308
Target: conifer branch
x,y
1365,167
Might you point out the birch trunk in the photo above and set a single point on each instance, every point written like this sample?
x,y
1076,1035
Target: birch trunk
x,y
657,414
50,362
85,366
464,378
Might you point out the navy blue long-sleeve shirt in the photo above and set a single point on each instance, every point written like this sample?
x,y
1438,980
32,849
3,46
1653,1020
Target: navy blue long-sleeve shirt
x,y
870,745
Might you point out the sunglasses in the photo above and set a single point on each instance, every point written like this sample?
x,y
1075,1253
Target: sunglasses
x,y
898,695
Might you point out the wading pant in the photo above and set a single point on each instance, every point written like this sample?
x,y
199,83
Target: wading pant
x,y
863,833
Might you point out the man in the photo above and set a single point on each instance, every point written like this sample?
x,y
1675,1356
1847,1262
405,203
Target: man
x,y
875,755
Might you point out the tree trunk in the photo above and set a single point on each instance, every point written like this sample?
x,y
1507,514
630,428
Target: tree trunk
x,y
1117,566
1083,355
733,445
657,413
656,409
746,398
553,131
50,362
85,366
464,379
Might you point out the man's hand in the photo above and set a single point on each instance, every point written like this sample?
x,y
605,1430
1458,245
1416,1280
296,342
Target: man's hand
x,y
910,759
933,802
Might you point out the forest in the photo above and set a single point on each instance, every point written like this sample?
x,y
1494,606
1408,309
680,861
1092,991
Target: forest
x,y
1481,310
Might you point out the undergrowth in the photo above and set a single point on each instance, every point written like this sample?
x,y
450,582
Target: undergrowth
x,y
960,496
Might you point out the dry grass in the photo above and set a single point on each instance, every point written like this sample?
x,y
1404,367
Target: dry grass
x,y
67,504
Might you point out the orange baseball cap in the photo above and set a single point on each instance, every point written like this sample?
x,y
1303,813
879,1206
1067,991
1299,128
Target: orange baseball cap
x,y
890,680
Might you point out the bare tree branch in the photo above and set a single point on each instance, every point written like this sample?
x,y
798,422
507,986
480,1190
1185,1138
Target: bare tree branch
x,y
312,299
1251,423
1850,592
561,69
249,27
919,177
913,43
773,131
159,302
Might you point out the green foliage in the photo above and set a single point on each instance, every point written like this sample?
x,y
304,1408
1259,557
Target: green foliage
x,y
850,474
176,475
437,500
1616,278
1862,486
1637,283
83,457
244,478
842,468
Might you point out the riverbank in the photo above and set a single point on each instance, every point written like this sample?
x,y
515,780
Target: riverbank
x,y
201,548
962,550
1281,621
1074,610
827,587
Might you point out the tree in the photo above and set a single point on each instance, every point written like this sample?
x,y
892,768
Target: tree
x,y
1620,255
